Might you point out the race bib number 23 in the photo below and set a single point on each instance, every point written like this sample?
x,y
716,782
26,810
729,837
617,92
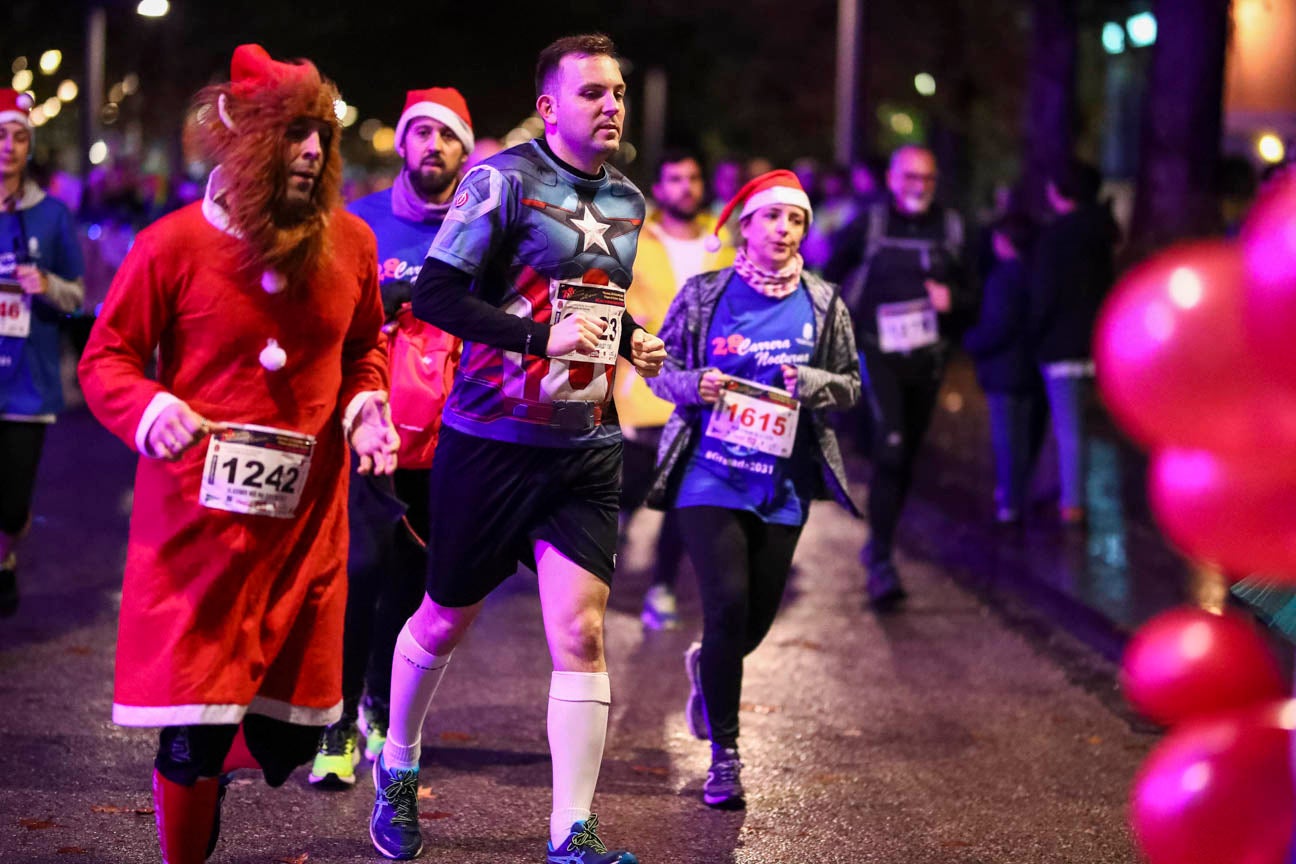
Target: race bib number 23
x,y
605,302
256,470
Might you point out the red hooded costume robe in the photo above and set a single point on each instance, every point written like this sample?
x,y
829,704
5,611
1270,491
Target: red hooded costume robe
x,y
224,613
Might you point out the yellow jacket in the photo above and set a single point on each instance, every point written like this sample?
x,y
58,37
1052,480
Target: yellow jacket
x,y
653,287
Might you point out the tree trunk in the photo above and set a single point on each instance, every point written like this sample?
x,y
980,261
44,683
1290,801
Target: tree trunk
x,y
1050,103
1179,145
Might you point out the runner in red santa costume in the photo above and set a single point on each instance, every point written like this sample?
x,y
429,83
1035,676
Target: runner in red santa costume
x,y
262,303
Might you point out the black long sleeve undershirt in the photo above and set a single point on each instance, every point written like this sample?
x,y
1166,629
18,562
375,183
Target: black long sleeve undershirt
x,y
443,297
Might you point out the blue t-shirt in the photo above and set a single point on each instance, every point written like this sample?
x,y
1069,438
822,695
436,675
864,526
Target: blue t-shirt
x,y
402,245
751,337
43,235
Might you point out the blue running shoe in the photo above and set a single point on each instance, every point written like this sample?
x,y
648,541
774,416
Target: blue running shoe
x,y
723,788
394,827
583,846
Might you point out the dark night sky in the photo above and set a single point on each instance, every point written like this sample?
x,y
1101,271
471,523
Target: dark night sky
x,y
759,59
751,77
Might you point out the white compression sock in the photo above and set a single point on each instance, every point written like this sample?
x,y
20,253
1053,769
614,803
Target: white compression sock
x,y
578,717
415,676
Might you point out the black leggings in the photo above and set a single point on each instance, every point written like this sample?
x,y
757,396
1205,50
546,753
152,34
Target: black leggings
x,y
386,568
901,396
188,753
742,564
638,467
20,451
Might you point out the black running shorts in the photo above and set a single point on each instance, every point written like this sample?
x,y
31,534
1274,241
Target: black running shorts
x,y
491,501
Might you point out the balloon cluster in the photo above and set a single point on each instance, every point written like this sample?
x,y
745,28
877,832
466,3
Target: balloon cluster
x,y
1195,354
1219,787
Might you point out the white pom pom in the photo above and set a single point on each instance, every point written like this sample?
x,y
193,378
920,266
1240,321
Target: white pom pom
x,y
272,282
712,244
273,357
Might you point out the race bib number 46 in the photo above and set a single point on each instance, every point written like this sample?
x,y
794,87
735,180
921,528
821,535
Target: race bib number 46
x,y
605,302
755,416
906,326
15,310
256,470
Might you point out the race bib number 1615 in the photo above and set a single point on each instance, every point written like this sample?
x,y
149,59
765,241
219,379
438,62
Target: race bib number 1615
x,y
755,416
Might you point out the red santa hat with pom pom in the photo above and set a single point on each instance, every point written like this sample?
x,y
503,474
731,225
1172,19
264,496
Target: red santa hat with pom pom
x,y
443,104
15,107
772,187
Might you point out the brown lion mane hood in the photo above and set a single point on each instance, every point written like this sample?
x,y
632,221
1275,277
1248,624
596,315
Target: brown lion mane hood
x,y
240,126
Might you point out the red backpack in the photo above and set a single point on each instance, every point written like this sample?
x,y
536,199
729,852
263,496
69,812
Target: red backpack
x,y
421,361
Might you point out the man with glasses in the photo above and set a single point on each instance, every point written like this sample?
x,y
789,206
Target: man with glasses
x,y
901,271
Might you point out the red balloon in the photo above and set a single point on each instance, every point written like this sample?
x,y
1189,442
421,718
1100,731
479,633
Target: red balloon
x,y
1238,513
1219,791
1172,357
1269,250
1187,663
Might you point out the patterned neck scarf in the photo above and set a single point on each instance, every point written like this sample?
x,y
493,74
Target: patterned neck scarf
x,y
407,204
776,284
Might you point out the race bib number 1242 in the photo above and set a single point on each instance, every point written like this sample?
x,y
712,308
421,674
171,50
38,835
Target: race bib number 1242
x,y
256,470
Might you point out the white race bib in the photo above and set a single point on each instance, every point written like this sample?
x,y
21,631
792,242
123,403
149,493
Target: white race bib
x,y
906,326
256,469
755,416
596,301
15,310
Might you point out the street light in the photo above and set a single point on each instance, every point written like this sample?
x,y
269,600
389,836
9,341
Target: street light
x,y
153,8
96,61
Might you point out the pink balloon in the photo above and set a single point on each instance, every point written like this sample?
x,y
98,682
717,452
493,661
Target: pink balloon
x,y
1236,512
1173,361
1219,791
1187,663
1269,251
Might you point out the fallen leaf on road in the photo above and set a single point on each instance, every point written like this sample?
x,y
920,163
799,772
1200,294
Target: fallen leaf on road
x,y
425,792
759,709
38,824
808,644
295,859
650,769
455,736
829,778
430,815
113,808
1095,740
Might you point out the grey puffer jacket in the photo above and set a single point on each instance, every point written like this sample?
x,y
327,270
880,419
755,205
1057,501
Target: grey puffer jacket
x,y
832,380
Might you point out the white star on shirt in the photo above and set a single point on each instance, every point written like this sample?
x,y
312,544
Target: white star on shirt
x,y
593,231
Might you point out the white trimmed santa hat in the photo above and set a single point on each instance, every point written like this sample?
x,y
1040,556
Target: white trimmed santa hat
x,y
443,104
15,107
772,187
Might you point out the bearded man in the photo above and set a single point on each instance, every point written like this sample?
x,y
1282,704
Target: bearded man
x,y
262,303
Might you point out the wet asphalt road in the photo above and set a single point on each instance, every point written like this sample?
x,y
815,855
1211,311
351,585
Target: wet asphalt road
x,y
953,732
